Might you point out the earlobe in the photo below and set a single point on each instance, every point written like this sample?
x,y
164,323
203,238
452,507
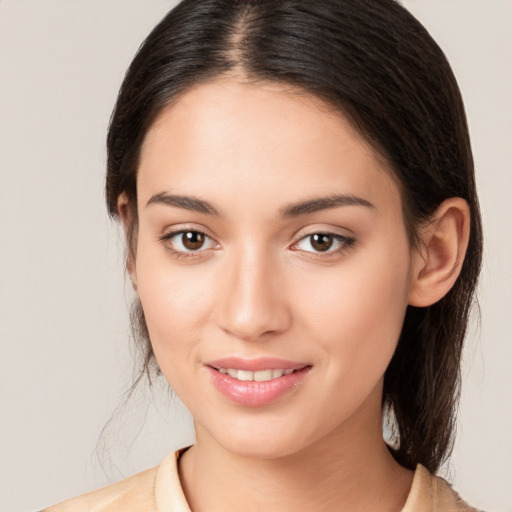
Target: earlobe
x,y
437,264
125,212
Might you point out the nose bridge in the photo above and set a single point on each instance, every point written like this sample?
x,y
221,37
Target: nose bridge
x,y
252,303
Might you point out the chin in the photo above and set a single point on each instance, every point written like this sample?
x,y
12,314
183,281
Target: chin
x,y
272,448
263,438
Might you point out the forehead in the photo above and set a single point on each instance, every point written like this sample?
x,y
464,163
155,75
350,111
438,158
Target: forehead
x,y
244,139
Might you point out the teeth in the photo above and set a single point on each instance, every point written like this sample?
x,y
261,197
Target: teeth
x,y
263,375
259,376
244,375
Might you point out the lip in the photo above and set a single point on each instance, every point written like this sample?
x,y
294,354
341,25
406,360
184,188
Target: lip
x,y
254,365
253,393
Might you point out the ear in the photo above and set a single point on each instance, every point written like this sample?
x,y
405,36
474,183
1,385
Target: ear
x,y
125,209
437,263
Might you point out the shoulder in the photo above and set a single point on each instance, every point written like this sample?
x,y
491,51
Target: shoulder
x,y
430,493
152,490
447,498
136,493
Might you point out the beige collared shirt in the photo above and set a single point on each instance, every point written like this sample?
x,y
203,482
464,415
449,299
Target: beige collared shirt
x,y
159,490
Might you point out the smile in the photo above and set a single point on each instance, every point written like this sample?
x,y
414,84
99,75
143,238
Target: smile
x,y
256,383
257,376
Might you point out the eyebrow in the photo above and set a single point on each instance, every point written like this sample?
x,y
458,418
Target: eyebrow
x,y
292,210
323,203
186,202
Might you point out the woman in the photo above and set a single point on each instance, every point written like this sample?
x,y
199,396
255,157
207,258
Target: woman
x,y
296,186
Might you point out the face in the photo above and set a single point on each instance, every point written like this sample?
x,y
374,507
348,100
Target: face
x,y
272,265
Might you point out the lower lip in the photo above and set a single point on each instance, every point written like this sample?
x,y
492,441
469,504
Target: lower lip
x,y
256,394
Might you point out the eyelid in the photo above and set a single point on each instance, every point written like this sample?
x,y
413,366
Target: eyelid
x,y
325,228
166,238
346,241
340,238
170,231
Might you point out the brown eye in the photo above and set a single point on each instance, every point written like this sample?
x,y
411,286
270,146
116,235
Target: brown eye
x,y
192,240
321,241
327,243
187,242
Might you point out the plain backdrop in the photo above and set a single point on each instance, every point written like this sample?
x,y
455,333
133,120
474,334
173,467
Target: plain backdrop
x,y
65,356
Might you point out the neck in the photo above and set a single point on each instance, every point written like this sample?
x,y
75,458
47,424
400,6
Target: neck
x,y
351,469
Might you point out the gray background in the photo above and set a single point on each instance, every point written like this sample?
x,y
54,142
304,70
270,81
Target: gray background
x,y
64,353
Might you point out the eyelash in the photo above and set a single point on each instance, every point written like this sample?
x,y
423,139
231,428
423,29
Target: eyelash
x,y
344,241
165,239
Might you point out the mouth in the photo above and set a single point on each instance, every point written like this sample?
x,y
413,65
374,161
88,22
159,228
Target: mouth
x,y
255,383
257,376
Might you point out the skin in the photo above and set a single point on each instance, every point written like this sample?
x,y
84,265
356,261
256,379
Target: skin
x,y
259,288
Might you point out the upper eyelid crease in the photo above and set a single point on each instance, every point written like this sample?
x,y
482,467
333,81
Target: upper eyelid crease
x,y
292,210
345,240
178,232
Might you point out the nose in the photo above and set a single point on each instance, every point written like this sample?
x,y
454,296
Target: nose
x,y
252,301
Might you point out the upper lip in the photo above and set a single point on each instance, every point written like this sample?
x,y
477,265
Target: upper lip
x,y
256,364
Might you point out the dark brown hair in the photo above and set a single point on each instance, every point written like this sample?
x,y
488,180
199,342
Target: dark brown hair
x,y
375,63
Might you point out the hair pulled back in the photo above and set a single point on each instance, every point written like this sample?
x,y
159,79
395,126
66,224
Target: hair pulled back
x,y
375,63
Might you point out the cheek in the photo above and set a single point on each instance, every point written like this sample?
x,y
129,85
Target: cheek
x,y
357,313
175,304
